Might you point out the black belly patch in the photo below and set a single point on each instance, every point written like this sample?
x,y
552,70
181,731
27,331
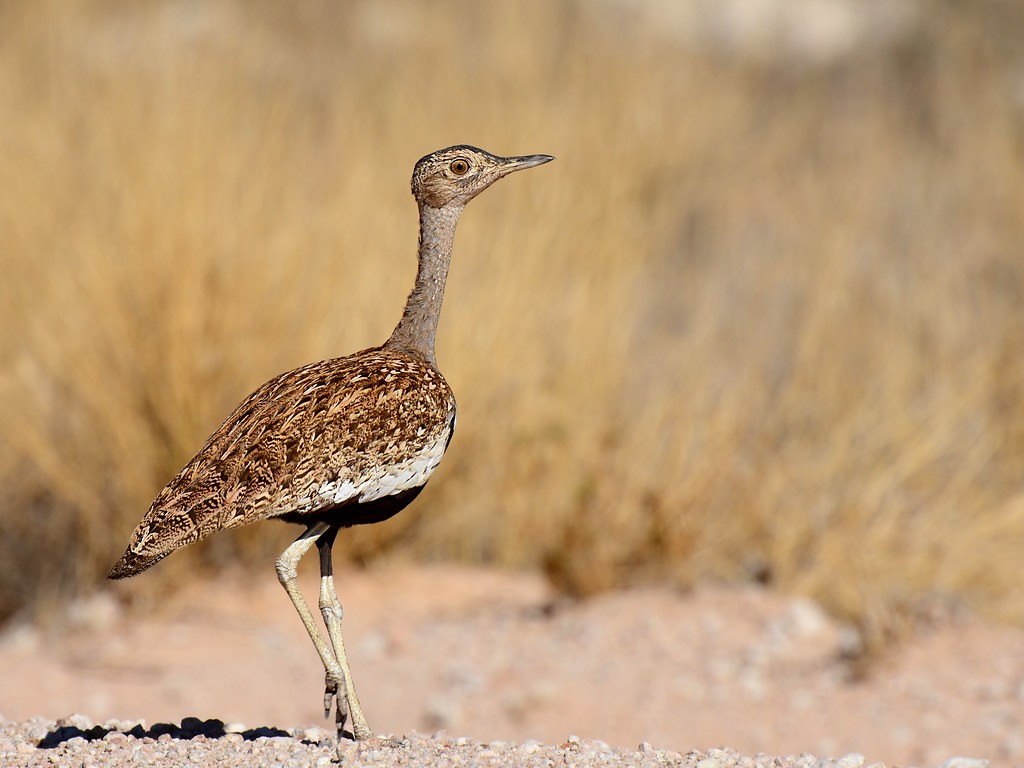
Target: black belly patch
x,y
356,513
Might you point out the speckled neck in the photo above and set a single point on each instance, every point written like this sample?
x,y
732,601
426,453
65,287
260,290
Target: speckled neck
x,y
417,330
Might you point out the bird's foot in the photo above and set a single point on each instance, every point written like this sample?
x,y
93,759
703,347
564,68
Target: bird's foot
x,y
344,745
335,693
362,732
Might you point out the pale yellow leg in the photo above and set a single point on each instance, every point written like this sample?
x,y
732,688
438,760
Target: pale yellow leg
x,y
287,565
331,610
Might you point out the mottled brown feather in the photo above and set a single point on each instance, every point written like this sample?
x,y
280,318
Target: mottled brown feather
x,y
328,422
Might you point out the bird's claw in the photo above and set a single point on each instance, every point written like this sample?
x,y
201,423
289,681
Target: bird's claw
x,y
334,693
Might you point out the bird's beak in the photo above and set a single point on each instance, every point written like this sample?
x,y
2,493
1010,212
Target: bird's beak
x,y
510,164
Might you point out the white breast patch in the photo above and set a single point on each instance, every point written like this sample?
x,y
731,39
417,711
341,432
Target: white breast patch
x,y
386,480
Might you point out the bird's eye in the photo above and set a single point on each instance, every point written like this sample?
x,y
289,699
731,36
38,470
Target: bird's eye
x,y
459,167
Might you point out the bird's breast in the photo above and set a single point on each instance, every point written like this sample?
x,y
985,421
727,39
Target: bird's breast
x,y
406,468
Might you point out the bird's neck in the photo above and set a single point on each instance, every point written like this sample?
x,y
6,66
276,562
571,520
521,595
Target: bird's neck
x,y
417,330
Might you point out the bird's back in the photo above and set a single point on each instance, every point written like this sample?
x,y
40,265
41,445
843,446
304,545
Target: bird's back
x,y
348,440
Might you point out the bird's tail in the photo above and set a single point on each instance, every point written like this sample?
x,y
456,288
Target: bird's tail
x,y
161,531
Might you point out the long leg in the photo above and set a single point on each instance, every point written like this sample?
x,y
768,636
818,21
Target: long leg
x,y
287,566
332,613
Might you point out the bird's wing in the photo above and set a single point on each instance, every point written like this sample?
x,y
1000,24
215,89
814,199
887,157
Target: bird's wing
x,y
344,431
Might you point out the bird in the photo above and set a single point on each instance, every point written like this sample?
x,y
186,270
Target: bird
x,y
337,443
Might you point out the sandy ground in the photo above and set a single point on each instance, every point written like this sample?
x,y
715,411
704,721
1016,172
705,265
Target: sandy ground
x,y
490,657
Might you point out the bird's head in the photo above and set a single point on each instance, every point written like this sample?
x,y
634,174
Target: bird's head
x,y
458,174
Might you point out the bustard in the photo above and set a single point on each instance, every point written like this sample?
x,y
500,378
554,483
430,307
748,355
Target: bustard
x,y
336,443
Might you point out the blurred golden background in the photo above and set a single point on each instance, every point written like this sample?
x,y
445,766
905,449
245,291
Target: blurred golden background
x,y
762,320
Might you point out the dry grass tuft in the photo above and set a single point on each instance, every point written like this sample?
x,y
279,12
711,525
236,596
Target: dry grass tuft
x,y
758,321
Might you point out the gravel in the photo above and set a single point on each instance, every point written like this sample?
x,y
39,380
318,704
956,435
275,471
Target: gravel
x,y
76,741
492,658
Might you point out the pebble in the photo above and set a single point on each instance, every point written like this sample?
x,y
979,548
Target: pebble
x,y
37,729
965,762
315,735
81,722
852,760
531,745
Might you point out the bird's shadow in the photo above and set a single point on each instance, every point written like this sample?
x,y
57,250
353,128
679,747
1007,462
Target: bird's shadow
x,y
190,728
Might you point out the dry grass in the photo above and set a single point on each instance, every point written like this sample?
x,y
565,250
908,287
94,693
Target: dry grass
x,y
756,322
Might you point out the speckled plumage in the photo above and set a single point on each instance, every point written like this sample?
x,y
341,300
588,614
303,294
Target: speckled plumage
x,y
341,421
337,443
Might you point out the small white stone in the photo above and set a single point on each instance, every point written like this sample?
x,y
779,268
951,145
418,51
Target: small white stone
x,y
965,762
81,722
851,760
314,735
